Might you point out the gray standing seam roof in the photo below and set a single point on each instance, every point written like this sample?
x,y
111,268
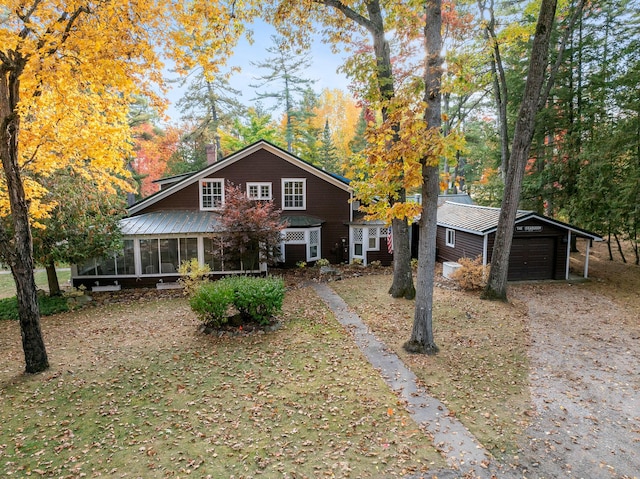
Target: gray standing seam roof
x,y
472,218
169,222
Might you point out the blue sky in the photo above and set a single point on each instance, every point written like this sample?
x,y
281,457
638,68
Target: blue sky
x,y
323,69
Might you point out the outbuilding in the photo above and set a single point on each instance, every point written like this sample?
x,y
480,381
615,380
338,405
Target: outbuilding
x,y
541,245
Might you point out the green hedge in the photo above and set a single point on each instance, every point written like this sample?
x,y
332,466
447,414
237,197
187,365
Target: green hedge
x,y
256,299
48,305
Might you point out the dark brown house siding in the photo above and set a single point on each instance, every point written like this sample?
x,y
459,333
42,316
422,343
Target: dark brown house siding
x,y
538,250
381,255
323,200
467,245
295,253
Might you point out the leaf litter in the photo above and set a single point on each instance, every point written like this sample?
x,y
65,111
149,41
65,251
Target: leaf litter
x,y
134,390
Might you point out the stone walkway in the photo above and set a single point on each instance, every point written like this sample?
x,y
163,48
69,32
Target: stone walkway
x,y
464,454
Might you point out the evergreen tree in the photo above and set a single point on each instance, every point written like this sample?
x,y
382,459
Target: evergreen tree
x,y
284,68
359,142
210,104
328,157
257,126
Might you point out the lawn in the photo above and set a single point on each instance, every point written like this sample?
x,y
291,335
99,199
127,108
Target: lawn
x,y
8,287
135,390
481,371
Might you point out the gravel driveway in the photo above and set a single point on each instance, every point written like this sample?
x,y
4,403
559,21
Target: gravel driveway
x,y
585,384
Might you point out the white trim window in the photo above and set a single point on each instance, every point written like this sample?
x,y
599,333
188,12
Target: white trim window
x,y
374,239
357,237
450,239
259,191
211,194
294,195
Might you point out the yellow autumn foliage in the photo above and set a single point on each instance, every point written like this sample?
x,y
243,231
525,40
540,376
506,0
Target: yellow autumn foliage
x,y
77,66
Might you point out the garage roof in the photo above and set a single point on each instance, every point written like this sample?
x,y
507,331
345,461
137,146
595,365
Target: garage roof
x,y
483,220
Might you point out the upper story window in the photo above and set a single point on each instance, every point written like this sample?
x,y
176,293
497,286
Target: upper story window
x,y
294,194
259,191
211,194
451,238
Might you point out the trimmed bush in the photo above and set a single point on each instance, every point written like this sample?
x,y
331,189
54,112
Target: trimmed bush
x,y
48,305
256,299
211,302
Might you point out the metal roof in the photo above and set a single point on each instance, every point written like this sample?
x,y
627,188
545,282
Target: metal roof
x,y
471,218
482,220
169,222
462,198
301,221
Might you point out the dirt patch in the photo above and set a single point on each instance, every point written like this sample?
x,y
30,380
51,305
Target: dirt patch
x,y
585,374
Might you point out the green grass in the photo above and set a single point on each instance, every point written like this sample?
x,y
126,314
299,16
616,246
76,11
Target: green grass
x,y
134,390
8,286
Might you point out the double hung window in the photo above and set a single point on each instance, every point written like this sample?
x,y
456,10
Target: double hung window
x,y
294,194
211,194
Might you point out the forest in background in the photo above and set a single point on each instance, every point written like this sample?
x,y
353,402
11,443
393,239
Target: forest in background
x,y
584,165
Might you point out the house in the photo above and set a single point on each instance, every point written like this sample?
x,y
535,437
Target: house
x,y
178,222
540,250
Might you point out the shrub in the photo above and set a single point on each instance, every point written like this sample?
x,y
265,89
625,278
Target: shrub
x,y
211,301
471,275
322,262
256,299
301,264
193,275
48,305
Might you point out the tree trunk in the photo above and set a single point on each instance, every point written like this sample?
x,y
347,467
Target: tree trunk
x,y
52,279
497,284
18,247
500,91
624,259
422,339
402,286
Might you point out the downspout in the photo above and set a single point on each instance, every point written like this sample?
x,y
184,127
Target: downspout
x,y
568,255
485,246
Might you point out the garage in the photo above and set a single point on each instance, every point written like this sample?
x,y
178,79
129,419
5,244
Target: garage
x,y
540,247
532,258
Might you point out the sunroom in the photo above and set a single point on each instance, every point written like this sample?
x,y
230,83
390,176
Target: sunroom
x,y
155,245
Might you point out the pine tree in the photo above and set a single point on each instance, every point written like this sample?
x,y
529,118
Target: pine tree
x,y
284,76
328,153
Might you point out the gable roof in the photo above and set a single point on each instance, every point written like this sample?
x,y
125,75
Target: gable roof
x,y
336,180
483,220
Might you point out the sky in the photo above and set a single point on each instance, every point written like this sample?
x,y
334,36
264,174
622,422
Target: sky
x,y
324,66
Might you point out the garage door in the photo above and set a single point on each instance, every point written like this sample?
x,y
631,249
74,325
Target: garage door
x,y
532,258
